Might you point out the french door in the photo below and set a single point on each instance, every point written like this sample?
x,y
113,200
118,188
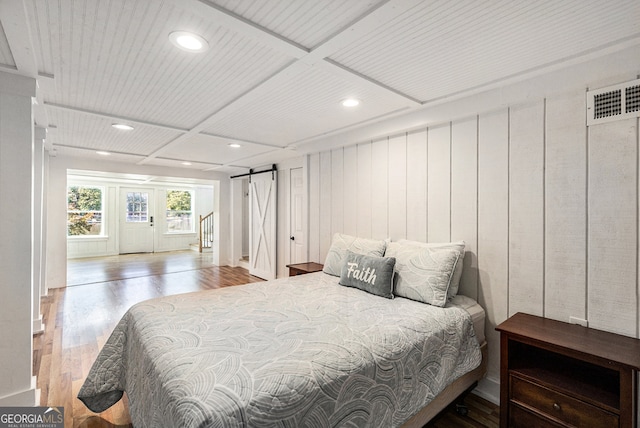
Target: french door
x,y
262,225
136,221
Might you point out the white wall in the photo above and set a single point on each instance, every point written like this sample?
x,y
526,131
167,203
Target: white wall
x,y
17,385
56,211
548,207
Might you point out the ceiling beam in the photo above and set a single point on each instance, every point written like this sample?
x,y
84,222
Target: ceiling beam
x,y
13,16
113,117
204,124
16,27
359,27
235,22
303,57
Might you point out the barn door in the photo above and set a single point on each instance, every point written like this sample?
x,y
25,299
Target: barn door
x,y
262,225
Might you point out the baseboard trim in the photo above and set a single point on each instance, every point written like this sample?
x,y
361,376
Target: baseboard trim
x,y
28,398
489,389
38,326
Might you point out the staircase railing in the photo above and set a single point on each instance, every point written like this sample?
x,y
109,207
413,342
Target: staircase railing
x,y
206,231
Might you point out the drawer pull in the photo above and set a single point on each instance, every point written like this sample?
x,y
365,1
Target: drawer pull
x,y
556,406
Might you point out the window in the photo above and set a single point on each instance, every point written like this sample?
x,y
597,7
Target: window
x,y
137,207
84,211
179,211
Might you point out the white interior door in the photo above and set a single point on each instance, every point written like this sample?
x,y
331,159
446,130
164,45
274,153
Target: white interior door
x,y
297,238
262,227
136,221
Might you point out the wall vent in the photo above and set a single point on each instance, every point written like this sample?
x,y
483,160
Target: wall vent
x,y
613,103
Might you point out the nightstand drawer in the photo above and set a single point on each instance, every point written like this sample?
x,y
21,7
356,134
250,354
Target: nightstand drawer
x,y
558,406
522,418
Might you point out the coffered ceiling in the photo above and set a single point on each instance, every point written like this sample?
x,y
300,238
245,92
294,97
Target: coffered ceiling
x,y
276,71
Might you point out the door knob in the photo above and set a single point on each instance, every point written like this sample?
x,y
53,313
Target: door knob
x,y
292,238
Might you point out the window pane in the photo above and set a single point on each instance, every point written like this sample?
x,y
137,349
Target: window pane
x,y
137,207
179,211
84,211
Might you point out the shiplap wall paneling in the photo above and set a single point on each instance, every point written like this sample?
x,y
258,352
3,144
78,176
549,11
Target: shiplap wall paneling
x,y
417,186
350,190
464,199
397,187
526,209
337,190
380,186
314,207
612,227
439,183
365,191
565,207
493,225
325,204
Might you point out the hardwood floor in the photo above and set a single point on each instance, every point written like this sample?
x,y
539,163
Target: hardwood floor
x,y
79,319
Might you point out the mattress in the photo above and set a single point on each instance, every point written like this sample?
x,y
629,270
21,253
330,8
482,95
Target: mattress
x,y
475,311
299,351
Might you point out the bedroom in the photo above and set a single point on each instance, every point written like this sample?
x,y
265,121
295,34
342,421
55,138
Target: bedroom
x,y
548,206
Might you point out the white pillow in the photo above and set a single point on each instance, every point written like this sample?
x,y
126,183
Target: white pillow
x,y
422,273
341,243
457,274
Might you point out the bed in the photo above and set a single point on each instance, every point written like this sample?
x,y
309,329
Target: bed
x,y
303,351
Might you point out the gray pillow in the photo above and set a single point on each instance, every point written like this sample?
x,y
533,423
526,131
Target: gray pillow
x,y
371,274
423,274
457,274
341,243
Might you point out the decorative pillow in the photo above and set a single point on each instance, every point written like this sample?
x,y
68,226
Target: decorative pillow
x,y
422,273
341,243
457,274
371,274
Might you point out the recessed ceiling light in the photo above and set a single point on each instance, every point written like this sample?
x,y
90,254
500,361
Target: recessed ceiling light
x,y
234,145
188,41
101,153
350,102
122,126
186,163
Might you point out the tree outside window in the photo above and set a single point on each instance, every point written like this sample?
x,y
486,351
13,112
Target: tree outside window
x,y
179,211
84,211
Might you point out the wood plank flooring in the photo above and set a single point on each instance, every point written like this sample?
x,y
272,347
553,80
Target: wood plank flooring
x,y
79,319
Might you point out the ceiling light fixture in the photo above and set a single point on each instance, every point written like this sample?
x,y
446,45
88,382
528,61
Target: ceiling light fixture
x,y
189,42
350,102
234,145
186,163
101,153
122,126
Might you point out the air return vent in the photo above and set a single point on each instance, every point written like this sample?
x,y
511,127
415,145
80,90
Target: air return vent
x,y
613,103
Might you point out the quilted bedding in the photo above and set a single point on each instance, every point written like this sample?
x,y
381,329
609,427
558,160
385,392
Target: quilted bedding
x,y
295,352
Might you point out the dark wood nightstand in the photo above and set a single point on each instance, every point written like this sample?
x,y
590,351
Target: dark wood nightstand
x,y
555,374
302,268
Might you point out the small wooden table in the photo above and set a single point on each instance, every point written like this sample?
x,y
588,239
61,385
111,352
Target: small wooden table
x,y
302,268
554,374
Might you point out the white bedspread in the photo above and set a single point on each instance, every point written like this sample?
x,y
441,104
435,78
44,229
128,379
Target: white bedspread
x,y
294,352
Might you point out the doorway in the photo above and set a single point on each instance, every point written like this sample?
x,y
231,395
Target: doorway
x,y
297,238
136,220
